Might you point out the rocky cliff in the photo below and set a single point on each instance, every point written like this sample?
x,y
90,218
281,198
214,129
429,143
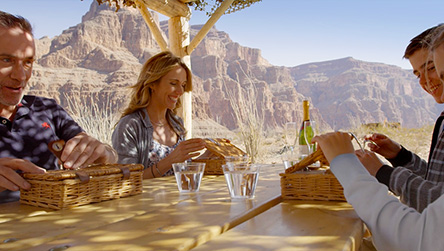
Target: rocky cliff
x,y
102,55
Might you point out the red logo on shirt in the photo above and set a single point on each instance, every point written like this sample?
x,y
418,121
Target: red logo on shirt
x,y
45,125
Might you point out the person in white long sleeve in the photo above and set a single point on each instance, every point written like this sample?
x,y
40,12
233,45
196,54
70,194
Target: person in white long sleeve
x,y
394,226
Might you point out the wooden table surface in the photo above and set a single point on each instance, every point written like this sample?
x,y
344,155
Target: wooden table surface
x,y
163,219
295,225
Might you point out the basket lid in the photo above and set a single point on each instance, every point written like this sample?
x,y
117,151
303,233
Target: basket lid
x,y
222,147
92,170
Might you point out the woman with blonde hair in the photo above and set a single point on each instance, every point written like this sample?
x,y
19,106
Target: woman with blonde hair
x,y
149,132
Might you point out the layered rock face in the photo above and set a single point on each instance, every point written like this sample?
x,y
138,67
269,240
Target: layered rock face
x,y
100,57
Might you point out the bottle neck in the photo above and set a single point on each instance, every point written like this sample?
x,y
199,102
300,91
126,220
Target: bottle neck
x,y
306,107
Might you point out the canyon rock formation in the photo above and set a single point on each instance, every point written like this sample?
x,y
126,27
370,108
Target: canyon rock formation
x,y
96,60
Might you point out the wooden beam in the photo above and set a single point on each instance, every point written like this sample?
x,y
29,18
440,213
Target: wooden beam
x,y
169,8
208,25
154,27
179,33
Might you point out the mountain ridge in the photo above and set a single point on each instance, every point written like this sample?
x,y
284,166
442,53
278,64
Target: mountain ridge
x,y
102,55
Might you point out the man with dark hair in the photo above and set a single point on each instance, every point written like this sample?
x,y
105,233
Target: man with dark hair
x,y
416,181
29,123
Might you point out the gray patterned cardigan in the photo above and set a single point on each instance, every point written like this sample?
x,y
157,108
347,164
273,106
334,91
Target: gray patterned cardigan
x,y
417,182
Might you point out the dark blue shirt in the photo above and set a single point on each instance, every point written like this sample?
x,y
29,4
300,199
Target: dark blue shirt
x,y
37,122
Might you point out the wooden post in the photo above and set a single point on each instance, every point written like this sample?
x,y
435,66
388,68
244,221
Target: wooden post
x,y
207,26
179,33
169,8
155,30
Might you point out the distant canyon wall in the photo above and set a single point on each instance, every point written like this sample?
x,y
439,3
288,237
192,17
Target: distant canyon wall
x,y
102,56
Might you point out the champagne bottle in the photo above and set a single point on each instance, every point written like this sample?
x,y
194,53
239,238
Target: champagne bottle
x,y
305,131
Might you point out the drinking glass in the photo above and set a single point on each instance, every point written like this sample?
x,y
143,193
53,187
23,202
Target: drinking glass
x,y
231,160
309,132
291,134
188,176
365,142
289,158
241,179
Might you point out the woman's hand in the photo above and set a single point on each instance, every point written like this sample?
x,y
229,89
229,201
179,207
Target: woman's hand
x,y
384,145
370,161
186,149
334,144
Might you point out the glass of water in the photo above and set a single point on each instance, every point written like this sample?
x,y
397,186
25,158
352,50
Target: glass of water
x,y
188,176
241,179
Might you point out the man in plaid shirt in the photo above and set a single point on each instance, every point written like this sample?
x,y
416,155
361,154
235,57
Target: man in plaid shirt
x,y
417,182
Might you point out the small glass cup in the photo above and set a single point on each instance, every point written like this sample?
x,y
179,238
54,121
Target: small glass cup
x,y
231,160
291,134
241,179
364,144
309,132
290,157
188,176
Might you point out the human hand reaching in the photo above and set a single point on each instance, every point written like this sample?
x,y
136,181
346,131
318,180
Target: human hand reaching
x,y
83,150
10,179
370,161
186,149
384,146
334,144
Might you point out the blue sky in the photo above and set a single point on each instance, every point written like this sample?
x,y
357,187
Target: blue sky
x,y
288,32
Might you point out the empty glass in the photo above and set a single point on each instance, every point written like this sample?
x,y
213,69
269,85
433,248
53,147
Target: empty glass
x,y
241,179
289,158
309,132
188,176
364,143
291,134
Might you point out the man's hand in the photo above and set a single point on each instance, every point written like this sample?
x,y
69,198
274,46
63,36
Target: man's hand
x,y
83,150
384,145
370,161
10,179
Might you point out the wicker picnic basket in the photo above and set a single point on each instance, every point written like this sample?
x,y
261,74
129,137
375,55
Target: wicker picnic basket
x,y
312,185
59,189
218,150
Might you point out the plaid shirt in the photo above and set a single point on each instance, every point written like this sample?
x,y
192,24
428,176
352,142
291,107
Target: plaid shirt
x,y
417,182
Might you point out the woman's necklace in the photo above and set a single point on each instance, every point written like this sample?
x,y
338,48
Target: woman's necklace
x,y
158,124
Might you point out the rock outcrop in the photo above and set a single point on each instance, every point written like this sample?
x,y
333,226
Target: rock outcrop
x,y
103,54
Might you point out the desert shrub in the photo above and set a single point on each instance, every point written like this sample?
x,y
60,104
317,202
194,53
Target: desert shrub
x,y
416,140
97,119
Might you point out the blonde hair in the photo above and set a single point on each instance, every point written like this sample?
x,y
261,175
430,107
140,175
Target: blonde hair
x,y
437,38
152,71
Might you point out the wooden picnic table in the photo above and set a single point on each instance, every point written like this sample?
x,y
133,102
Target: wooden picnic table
x,y
163,219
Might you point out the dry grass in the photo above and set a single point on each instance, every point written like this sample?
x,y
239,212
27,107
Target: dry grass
x,y
250,122
416,140
98,120
262,146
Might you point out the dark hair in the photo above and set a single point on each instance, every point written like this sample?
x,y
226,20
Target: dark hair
x,y
422,41
10,21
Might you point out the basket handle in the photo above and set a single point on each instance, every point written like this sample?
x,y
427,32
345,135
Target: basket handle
x,y
126,172
83,176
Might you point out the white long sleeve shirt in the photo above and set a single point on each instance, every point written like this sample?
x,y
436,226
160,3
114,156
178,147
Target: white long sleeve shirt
x,y
394,226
